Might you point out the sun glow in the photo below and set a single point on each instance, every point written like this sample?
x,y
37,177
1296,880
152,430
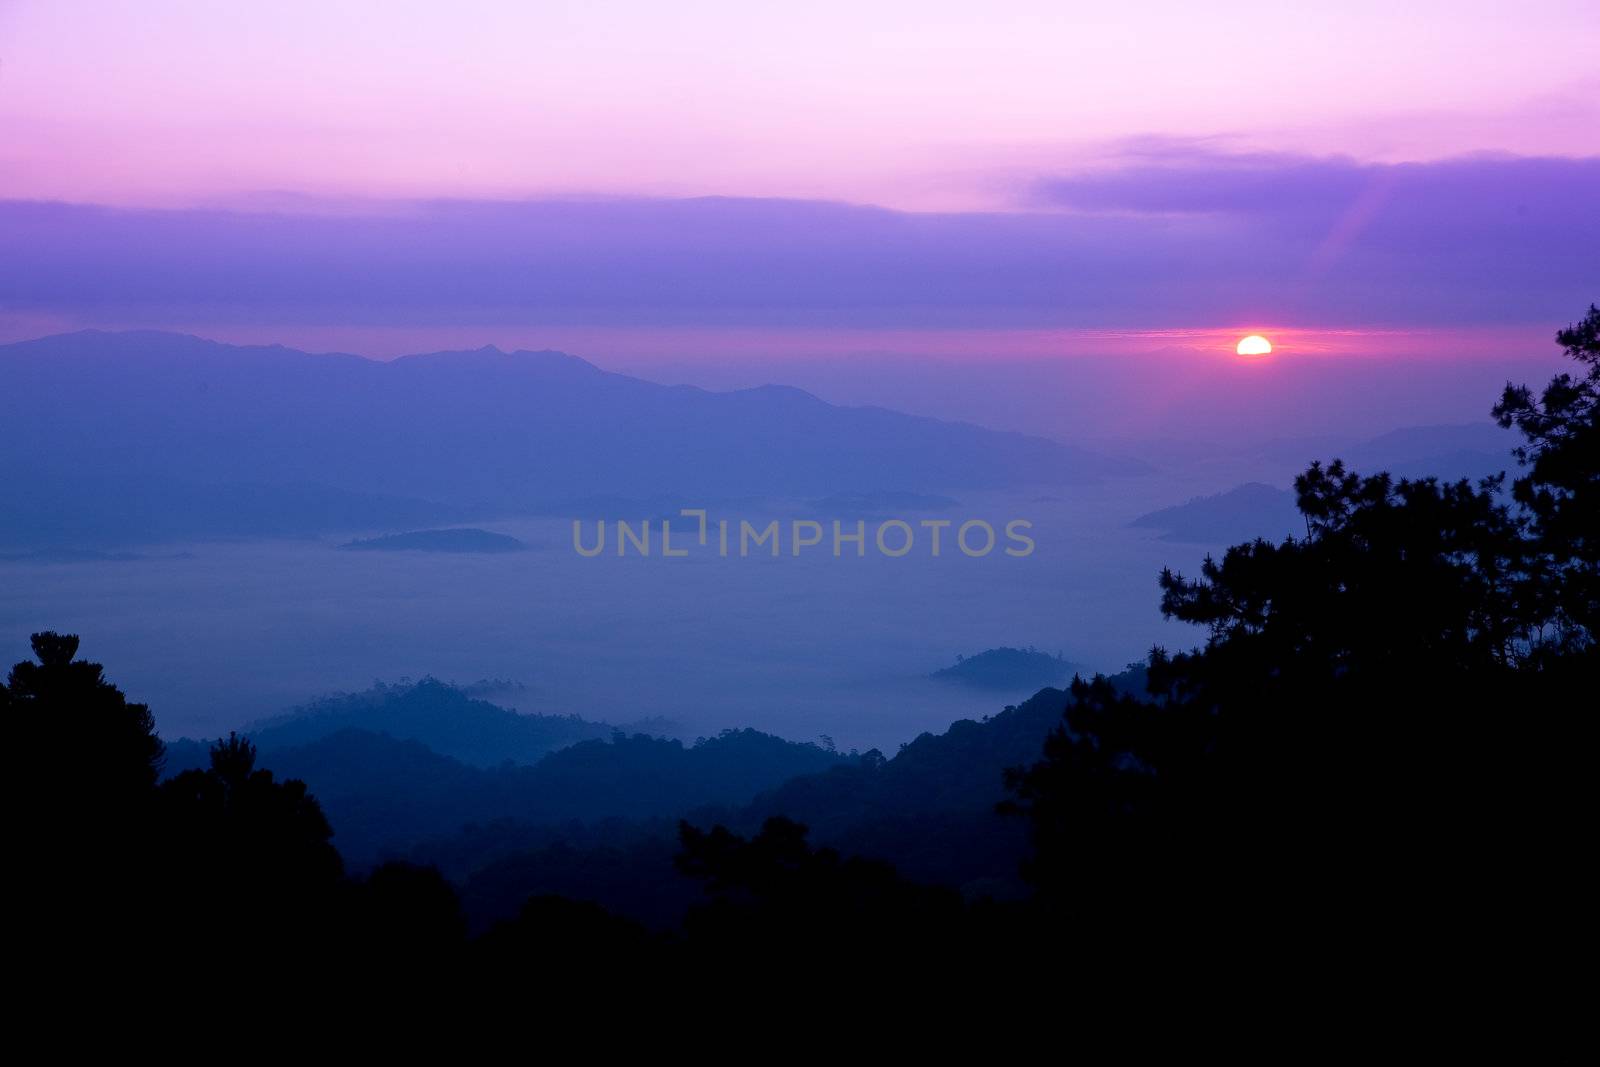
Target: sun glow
x,y
1254,345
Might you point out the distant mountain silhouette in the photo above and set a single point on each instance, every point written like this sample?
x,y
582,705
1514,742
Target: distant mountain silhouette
x,y
456,540
930,811
385,794
107,504
143,436
1449,453
493,826
437,715
1022,670
1241,514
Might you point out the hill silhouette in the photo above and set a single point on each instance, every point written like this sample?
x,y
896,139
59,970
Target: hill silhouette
x,y
435,714
929,811
339,442
1448,453
356,774
1019,670
1241,514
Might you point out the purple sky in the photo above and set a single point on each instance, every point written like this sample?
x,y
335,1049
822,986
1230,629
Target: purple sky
x,y
1032,178
906,103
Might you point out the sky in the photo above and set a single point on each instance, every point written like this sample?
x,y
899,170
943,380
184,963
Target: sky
x,y
651,180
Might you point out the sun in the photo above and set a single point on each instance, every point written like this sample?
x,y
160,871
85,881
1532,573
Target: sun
x,y
1254,345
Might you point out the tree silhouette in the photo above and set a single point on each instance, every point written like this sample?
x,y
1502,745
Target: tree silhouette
x,y
773,896
555,938
82,784
1379,730
404,916
1561,490
241,842
65,705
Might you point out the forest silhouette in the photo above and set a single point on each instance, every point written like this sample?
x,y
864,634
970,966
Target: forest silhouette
x,y
1374,766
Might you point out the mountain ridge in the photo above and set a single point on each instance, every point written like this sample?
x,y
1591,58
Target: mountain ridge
x,y
476,432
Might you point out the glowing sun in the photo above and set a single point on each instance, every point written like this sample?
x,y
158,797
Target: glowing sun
x,y
1254,345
